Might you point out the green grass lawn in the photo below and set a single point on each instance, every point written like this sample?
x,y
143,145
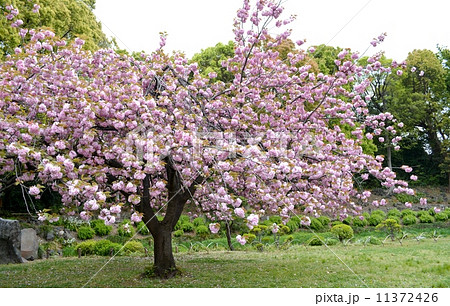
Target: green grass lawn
x,y
415,264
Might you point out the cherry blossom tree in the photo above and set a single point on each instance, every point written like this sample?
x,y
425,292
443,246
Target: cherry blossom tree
x,y
111,133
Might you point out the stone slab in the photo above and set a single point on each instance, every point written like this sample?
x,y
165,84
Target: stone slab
x,y
10,236
29,243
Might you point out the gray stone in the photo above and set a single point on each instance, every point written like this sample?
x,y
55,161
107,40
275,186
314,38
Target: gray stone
x,y
50,236
10,241
29,244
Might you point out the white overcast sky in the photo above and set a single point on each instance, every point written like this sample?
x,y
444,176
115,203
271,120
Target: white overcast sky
x,y
193,25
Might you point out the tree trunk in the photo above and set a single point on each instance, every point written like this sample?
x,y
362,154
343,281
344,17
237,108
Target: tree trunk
x,y
164,262
228,233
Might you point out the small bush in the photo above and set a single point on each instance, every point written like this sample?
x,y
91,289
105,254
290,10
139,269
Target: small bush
x,y
293,225
87,247
178,233
342,231
379,212
142,228
198,221
423,212
348,220
275,219
126,229
374,240
284,230
187,227
249,237
335,222
442,216
85,233
394,212
133,247
408,212
103,247
184,219
316,224
447,211
391,226
360,223
100,228
426,218
69,251
315,241
266,239
396,218
324,220
409,219
374,220
202,231
117,239
331,241
431,212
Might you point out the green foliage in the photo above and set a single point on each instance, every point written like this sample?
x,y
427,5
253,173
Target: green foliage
x,y
198,221
324,220
178,233
348,220
342,231
202,231
431,212
409,219
360,223
210,60
100,228
315,241
103,248
118,239
426,218
85,233
69,251
379,212
442,217
408,212
275,219
249,237
71,18
184,219
187,227
132,247
126,229
316,224
391,226
374,220
336,222
447,211
293,224
87,247
394,212
142,228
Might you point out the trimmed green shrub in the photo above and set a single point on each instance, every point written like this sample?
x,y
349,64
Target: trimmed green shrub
x,y
100,228
396,218
142,228
374,240
315,241
184,219
422,212
249,237
447,211
442,216
293,224
103,247
178,233
394,212
331,241
348,220
316,224
266,239
198,221
85,232
366,215
335,222
360,223
374,220
87,247
391,226
342,231
275,219
408,212
133,247
409,219
324,220
187,227
379,212
126,229
177,226
202,231
431,212
426,218
69,251
118,239
284,229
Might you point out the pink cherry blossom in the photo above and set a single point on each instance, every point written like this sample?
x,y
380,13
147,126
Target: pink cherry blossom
x,y
407,204
436,210
34,190
241,239
214,227
423,201
136,217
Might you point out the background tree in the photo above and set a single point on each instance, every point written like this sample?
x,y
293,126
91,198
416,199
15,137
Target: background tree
x,y
211,59
109,132
67,18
